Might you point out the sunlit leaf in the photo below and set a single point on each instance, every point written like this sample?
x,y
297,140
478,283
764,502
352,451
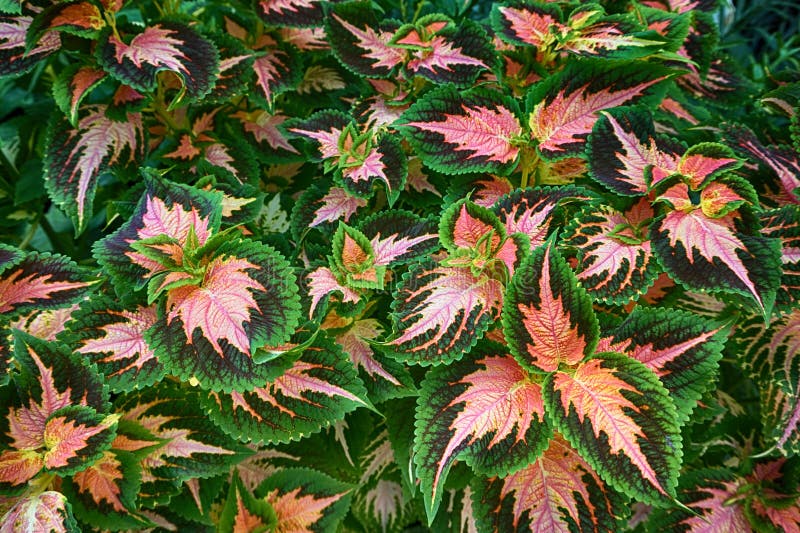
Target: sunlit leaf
x,y
47,511
619,417
547,317
484,409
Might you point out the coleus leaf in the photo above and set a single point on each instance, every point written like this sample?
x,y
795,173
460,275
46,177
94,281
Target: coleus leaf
x,y
73,84
243,512
547,316
264,127
353,257
46,511
710,495
105,493
563,108
75,158
682,349
248,299
445,52
360,42
531,210
276,72
75,437
774,504
783,162
324,128
618,416
299,13
323,208
316,390
784,223
484,409
165,209
306,499
384,378
112,337
476,238
769,353
440,313
15,57
622,148
323,282
536,24
398,237
616,264
39,281
168,46
710,253
80,18
473,131
559,491
191,445
235,68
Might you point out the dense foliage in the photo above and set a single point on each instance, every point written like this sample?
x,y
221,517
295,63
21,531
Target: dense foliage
x,y
297,265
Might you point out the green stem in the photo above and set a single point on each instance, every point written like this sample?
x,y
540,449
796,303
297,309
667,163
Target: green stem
x,y
62,245
26,240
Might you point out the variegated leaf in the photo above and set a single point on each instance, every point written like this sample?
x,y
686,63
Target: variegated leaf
x,y
441,312
711,497
305,500
536,24
324,128
75,437
112,337
620,418
354,259
547,317
784,224
445,52
171,46
190,444
783,162
384,378
75,157
73,84
105,493
15,57
559,491
323,208
235,69
381,161
243,512
771,355
474,131
36,281
299,13
165,209
624,151
318,389
484,409
276,72
398,237
46,511
776,504
616,264
530,211
78,17
323,282
248,299
682,349
712,254
264,127
563,108
360,42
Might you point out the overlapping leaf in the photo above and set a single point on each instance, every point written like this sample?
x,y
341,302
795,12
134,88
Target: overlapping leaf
x,y
484,409
558,492
137,59
112,337
247,299
47,511
443,51
305,500
360,42
73,85
616,264
619,417
300,13
531,210
563,108
317,389
15,57
547,317
398,237
784,223
470,131
243,512
710,253
680,348
76,157
39,281
440,312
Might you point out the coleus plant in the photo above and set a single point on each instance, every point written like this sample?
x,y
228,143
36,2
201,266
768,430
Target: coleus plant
x,y
299,265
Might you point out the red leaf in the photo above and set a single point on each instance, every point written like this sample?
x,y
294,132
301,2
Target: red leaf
x,y
67,438
38,281
297,512
47,511
17,467
101,481
220,306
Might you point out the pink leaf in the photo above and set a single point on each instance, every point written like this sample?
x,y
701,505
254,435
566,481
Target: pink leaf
x,y
322,282
337,204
